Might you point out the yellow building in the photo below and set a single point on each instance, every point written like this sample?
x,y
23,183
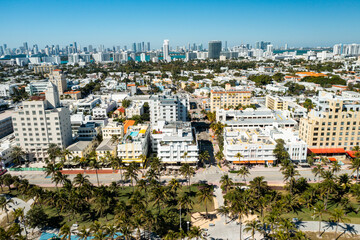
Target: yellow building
x,y
44,69
276,103
335,124
222,99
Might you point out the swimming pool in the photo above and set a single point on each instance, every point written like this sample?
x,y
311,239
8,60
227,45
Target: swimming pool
x,y
134,134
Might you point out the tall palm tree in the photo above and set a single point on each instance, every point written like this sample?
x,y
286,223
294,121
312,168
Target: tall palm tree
x,y
328,186
319,210
204,195
174,185
258,186
19,214
223,211
252,226
53,152
171,235
143,160
289,175
318,171
131,173
335,167
17,154
94,164
226,183
243,173
81,180
110,231
117,164
4,202
219,156
338,216
355,166
187,171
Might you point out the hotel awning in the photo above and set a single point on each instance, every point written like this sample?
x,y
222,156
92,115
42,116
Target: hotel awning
x,y
327,150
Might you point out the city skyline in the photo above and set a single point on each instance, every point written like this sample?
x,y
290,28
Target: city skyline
x,y
299,24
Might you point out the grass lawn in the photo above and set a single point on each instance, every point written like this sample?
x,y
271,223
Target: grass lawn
x,y
15,193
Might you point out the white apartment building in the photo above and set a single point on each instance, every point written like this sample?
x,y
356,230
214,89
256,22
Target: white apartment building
x,y
103,109
40,122
135,108
170,108
6,146
88,104
251,118
6,89
135,143
35,88
256,145
172,140
113,128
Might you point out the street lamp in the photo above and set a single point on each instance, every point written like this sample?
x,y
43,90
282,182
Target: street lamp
x,y
188,225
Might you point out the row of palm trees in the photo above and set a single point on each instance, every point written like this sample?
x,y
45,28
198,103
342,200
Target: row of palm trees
x,y
149,206
331,197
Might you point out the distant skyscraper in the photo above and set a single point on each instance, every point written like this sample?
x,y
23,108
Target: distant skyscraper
x,y
1,50
26,46
143,46
148,46
134,47
286,46
90,48
214,49
257,45
225,47
166,51
75,47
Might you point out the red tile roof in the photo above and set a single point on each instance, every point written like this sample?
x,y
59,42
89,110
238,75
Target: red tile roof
x,y
326,150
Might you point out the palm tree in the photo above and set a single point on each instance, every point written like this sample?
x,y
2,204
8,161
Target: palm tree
x,y
17,154
65,153
226,183
53,152
319,210
289,174
219,156
171,235
318,171
204,156
185,155
19,213
338,216
243,173
143,160
223,211
204,195
258,186
187,171
117,163
65,231
81,180
4,205
239,156
115,138
196,232
131,173
335,167
83,233
94,164
327,186
355,166
252,226
174,185
110,231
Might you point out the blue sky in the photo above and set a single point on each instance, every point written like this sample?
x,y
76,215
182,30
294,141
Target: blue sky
x,y
298,23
